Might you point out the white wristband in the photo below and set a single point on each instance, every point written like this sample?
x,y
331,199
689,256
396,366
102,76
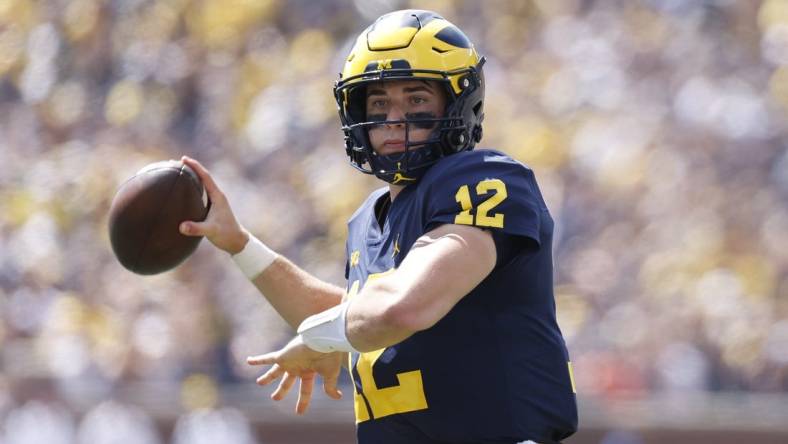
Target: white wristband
x,y
254,258
325,331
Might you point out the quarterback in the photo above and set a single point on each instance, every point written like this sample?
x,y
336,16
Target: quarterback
x,y
447,321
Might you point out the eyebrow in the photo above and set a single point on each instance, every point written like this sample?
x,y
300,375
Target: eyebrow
x,y
411,89
418,88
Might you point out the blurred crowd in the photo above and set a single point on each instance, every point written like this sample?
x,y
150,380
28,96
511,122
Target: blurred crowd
x,y
656,128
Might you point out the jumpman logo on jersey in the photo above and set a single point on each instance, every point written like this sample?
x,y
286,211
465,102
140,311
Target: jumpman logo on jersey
x,y
399,177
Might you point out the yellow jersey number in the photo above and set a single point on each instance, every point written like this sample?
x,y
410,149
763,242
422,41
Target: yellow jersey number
x,y
483,217
407,396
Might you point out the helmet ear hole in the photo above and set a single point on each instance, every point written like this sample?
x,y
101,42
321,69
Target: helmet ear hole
x,y
464,82
457,140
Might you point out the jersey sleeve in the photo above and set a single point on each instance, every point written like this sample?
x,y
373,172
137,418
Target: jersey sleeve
x,y
487,190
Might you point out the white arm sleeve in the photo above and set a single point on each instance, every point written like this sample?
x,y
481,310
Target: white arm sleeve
x,y
325,332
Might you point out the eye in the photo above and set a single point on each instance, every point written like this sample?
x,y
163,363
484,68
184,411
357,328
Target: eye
x,y
418,100
379,103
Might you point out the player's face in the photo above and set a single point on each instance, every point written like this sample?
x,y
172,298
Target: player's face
x,y
400,100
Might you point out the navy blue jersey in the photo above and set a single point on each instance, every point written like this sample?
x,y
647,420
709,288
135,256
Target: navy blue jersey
x,y
495,369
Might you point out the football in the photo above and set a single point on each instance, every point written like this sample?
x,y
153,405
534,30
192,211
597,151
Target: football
x,y
145,214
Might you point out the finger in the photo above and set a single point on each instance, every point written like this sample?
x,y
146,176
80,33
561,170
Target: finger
x,y
214,193
305,393
284,387
330,386
266,359
271,375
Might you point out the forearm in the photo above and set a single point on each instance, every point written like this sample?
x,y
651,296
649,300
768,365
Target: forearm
x,y
294,293
378,318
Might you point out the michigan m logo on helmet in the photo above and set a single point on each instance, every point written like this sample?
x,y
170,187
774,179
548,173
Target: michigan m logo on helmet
x,y
412,45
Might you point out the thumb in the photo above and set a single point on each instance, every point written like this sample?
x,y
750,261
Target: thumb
x,y
191,228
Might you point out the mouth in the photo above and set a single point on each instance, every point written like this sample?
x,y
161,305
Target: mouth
x,y
393,146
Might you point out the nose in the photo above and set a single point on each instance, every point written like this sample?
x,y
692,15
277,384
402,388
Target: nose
x,y
395,113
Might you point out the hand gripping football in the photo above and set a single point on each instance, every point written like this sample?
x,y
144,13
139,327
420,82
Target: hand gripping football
x,y
146,212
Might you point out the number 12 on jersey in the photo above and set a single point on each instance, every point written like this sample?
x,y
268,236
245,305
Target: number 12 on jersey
x,y
406,396
483,218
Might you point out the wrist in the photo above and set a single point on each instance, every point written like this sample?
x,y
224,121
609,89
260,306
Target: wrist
x,y
238,242
325,332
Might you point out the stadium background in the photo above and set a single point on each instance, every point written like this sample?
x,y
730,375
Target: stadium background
x,y
657,129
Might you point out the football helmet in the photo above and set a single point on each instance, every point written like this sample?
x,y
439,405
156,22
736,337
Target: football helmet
x,y
412,45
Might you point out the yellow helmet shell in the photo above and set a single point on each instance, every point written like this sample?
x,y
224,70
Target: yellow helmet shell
x,y
421,41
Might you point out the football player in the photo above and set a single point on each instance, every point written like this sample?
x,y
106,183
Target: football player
x,y
448,315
